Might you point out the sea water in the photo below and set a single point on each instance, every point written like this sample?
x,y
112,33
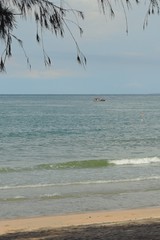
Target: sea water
x,y
68,153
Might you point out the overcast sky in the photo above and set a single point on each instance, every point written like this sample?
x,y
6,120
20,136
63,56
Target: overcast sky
x,y
117,63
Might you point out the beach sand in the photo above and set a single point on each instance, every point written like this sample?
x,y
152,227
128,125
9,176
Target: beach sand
x,y
133,224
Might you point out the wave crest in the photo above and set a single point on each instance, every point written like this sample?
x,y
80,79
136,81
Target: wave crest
x,y
83,164
136,161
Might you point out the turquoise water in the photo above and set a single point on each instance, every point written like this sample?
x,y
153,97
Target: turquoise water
x,y
67,153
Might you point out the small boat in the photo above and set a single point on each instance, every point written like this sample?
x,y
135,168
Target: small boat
x,y
99,99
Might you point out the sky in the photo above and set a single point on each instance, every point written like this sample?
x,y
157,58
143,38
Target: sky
x,y
117,62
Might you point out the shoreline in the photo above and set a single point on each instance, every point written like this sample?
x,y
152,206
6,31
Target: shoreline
x,y
100,218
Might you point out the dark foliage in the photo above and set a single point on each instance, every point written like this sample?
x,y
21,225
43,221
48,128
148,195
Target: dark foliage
x,y
46,15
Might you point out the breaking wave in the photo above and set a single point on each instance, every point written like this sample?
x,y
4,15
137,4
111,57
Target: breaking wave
x,y
48,185
137,161
81,165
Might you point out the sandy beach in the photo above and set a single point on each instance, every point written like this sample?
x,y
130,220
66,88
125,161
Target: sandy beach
x,y
133,224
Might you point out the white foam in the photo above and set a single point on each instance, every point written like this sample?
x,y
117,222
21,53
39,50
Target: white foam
x,y
136,161
156,177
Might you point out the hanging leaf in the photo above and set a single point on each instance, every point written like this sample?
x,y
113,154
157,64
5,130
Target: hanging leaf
x,y
2,68
49,61
78,59
37,38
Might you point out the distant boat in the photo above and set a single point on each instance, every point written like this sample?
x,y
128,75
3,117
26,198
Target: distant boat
x,y
99,99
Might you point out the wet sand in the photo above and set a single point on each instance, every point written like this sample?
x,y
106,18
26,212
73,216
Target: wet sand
x,y
114,225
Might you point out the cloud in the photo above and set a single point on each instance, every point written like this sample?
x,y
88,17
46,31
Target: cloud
x,y
48,74
97,25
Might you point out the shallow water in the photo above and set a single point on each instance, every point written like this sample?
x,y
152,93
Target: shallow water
x,y
68,153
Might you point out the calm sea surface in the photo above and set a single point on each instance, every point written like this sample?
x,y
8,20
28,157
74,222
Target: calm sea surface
x,y
67,153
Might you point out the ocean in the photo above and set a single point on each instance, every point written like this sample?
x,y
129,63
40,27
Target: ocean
x,y
64,154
